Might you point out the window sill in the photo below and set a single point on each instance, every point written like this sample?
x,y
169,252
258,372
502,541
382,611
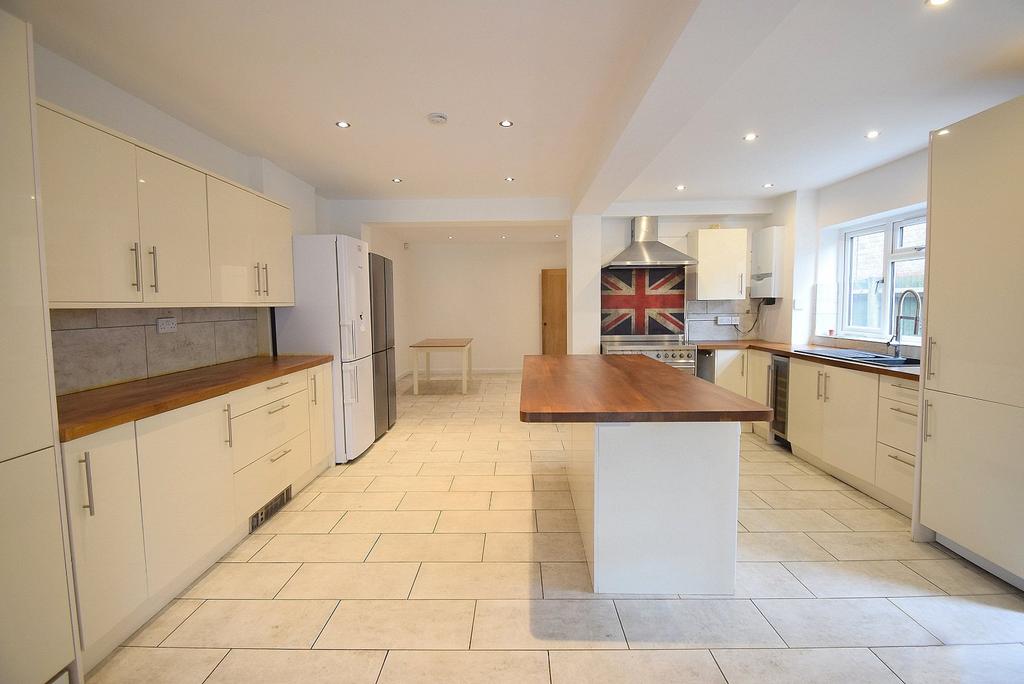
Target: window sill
x,y
865,338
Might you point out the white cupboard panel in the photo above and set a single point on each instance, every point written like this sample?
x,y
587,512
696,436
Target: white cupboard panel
x,y
254,396
722,255
261,481
904,391
806,409
268,427
321,415
894,472
851,415
275,249
235,267
897,425
731,370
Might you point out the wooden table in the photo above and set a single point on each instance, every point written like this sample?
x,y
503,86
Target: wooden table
x,y
433,344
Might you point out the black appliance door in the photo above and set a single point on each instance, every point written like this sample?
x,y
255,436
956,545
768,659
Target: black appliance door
x,y
380,394
392,390
378,306
389,303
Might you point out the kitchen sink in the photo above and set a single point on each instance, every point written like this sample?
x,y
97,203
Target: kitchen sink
x,y
892,361
861,357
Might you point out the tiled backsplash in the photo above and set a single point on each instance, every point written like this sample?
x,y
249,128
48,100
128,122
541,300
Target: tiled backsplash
x,y
97,347
701,321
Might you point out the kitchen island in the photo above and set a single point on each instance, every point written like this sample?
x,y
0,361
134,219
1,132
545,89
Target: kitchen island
x,y
653,469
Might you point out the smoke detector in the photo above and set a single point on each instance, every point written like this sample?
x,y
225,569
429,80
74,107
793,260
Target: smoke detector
x,y
439,118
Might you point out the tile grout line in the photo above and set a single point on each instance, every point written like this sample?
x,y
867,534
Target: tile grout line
x,y
337,605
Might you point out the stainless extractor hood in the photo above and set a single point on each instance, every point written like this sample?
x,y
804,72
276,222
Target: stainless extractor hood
x,y
645,251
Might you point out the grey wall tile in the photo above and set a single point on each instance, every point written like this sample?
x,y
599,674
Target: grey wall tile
x,y
708,330
235,340
72,319
248,312
83,359
192,346
108,318
203,314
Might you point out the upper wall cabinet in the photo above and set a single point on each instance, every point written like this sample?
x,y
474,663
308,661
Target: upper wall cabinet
x,y
722,263
126,226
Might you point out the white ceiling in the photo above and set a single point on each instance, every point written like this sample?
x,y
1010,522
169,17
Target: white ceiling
x,y
476,232
830,71
271,78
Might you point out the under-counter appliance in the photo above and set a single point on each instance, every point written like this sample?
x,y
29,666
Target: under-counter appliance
x,y
382,322
332,316
670,349
778,395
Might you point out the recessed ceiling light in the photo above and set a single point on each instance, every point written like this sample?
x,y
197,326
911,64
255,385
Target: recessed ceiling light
x,y
557,236
505,123
944,131
750,137
451,237
396,179
680,188
872,134
343,124
142,180
504,237
768,185
509,179
936,3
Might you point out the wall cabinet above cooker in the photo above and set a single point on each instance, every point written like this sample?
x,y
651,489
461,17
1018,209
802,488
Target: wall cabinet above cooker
x,y
723,264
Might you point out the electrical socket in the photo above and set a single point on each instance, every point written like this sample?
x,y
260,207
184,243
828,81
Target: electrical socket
x,y
727,320
166,325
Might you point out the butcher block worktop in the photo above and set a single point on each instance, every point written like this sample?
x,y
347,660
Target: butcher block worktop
x,y
785,349
594,388
84,413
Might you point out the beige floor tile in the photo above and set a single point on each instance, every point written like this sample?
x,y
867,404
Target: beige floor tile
x,y
399,625
477,581
246,548
862,579
768,468
164,622
833,665
548,624
874,546
360,469
551,483
443,469
572,581
253,624
158,666
876,520
711,623
445,501
762,456
387,521
991,619
808,500
492,483
763,580
541,546
494,456
779,546
427,547
334,471
241,581
614,667
351,581
750,500
487,521
301,522
305,548
957,576
956,664
530,468
863,499
843,622
765,483
360,501
465,667
549,456
557,521
814,483
299,501
340,484
252,666
531,500
389,483
790,521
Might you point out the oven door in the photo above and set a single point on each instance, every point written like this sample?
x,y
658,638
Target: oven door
x,y
685,366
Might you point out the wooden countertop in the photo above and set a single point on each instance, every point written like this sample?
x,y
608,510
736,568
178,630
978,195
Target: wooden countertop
x,y
84,413
784,349
594,388
442,342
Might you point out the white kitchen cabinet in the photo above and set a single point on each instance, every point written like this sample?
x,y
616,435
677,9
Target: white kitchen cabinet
x,y
321,415
255,433
969,192
805,429
105,520
275,252
758,365
268,476
850,401
722,263
731,370
897,425
35,632
186,483
91,212
173,231
971,475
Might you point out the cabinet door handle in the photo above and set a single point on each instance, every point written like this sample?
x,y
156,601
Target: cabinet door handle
x,y
314,391
903,411
931,354
904,387
818,386
257,267
825,393
768,388
134,249
91,506
741,285
281,455
230,441
156,271
743,365
280,408
280,384
924,420
266,279
906,461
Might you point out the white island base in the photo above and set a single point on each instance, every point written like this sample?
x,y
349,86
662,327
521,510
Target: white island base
x,y
657,504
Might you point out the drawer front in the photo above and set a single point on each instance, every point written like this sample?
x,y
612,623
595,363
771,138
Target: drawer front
x,y
257,483
252,397
262,430
898,390
897,425
894,472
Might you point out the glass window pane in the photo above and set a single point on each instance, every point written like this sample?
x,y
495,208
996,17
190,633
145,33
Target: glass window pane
x,y
867,284
910,235
908,275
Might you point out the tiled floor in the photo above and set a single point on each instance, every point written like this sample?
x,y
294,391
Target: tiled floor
x,y
450,553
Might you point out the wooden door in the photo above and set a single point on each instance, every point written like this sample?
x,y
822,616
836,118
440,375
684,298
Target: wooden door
x,y
553,311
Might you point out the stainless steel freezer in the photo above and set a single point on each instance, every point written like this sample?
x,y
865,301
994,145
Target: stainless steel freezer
x,y
382,318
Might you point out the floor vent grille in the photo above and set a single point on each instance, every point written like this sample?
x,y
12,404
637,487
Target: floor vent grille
x,y
270,508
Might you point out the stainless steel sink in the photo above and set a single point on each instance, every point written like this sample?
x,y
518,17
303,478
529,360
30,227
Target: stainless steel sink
x,y
860,356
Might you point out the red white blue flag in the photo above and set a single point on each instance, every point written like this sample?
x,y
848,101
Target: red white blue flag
x,y
642,301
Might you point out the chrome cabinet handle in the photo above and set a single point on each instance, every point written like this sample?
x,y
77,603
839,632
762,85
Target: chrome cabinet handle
x,y
825,393
230,441
924,420
280,384
903,411
280,456
138,266
280,408
257,267
266,279
743,365
931,346
768,388
741,285
818,387
91,506
314,391
896,384
896,457
156,272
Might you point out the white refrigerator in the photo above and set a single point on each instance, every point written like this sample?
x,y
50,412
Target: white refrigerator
x,y
332,316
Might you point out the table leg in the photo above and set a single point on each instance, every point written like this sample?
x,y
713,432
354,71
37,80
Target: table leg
x,y
415,371
426,356
469,352
465,369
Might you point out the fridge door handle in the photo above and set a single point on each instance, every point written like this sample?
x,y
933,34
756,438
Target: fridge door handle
x,y
349,388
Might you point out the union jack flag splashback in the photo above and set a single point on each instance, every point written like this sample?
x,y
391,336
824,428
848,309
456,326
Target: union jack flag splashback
x,y
642,301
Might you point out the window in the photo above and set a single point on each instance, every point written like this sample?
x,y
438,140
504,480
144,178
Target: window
x,y
881,261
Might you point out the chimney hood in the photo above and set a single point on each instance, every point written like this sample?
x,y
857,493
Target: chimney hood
x,y
646,251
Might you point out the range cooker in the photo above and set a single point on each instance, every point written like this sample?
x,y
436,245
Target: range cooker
x,y
670,349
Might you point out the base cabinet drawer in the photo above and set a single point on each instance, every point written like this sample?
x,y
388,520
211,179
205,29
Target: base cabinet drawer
x,y
897,425
253,397
257,483
898,390
257,432
894,472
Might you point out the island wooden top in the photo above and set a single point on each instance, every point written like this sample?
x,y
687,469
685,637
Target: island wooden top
x,y
624,388
784,349
84,413
438,342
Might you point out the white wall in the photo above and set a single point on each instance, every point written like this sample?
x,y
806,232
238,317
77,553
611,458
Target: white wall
x,y
294,192
895,185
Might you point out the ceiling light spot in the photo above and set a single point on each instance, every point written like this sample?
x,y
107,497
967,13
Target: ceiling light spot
x,y
872,134
944,131
557,236
680,188
509,179
343,124
768,186
936,3
504,237
396,179
451,237
505,123
750,137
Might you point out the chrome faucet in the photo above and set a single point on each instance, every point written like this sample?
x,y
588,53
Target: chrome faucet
x,y
916,318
